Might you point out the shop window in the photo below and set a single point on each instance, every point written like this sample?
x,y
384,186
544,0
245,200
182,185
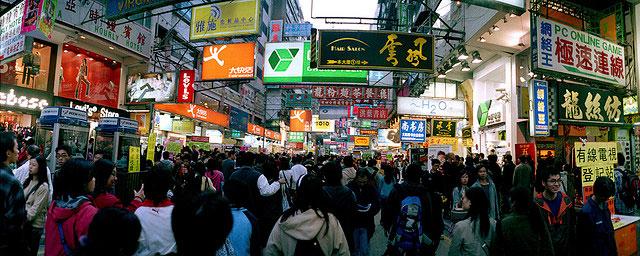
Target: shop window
x,y
441,90
32,70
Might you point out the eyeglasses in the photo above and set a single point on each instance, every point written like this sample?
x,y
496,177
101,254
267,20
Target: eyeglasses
x,y
554,181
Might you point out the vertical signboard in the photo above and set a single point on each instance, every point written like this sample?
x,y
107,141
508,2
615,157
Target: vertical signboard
x,y
275,30
412,130
185,86
539,110
11,40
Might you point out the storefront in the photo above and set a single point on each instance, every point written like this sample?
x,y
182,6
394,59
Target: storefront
x,y
20,107
94,112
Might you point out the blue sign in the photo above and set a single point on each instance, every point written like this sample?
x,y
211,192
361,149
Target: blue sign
x,y
238,119
297,29
412,130
539,113
65,115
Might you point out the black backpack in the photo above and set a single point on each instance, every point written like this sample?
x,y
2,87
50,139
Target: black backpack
x,y
308,248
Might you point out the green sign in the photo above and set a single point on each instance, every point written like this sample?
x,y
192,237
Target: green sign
x,y
289,62
588,106
296,136
237,134
483,113
372,50
443,128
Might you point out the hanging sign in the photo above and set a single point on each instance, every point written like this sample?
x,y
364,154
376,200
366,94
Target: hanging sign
x,y
373,113
595,153
195,111
412,130
587,105
320,125
228,61
275,33
134,159
150,146
296,136
300,120
298,100
368,132
361,141
443,128
539,110
297,29
23,98
117,9
12,42
431,107
372,50
40,16
563,49
223,19
185,86
350,93
239,119
255,129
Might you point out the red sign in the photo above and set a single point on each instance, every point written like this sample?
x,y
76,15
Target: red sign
x,y
89,77
277,136
368,132
340,102
528,149
185,86
196,112
255,129
363,93
198,138
268,133
373,113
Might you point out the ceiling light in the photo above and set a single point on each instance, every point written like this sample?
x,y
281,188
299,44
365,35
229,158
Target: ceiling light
x,y
512,15
455,62
522,80
447,68
66,45
495,28
476,57
458,2
482,39
114,62
65,51
110,47
462,53
465,66
83,37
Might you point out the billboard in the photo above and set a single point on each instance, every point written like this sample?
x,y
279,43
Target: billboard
x,y
228,61
431,107
89,77
185,86
323,125
388,138
412,130
300,120
588,106
224,19
239,119
290,62
152,87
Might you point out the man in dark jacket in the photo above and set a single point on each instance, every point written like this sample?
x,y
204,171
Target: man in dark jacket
x,y
432,223
594,226
557,210
229,165
12,202
523,174
507,180
341,200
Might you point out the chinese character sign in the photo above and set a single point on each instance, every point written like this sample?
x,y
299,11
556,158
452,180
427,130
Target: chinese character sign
x,y
297,29
373,113
591,172
539,116
296,137
231,18
351,93
275,34
566,50
595,153
443,128
578,104
412,130
374,50
11,41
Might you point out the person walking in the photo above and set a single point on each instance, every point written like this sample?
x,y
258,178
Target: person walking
x,y
308,227
341,200
12,201
486,183
476,234
105,172
368,206
348,170
594,227
557,210
36,190
113,231
523,174
385,185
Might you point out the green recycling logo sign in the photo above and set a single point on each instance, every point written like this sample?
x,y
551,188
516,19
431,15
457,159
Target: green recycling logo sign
x,y
281,59
483,113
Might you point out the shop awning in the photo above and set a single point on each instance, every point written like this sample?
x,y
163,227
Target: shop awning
x,y
196,112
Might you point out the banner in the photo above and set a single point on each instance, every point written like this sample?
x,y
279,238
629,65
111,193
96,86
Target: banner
x,y
388,138
320,125
587,105
565,50
368,132
289,62
88,77
296,136
595,153
373,113
431,107
152,87
372,50
412,130
87,15
239,119
361,141
337,92
539,110
300,120
39,15
443,128
151,144
185,86
228,61
12,42
225,19
134,159
255,129
297,100
526,149
275,33
144,121
196,112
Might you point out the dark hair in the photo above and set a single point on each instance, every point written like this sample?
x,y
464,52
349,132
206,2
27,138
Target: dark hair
x,y
235,191
165,155
113,231
348,161
546,172
332,173
157,183
33,151
524,159
72,179
492,158
372,163
508,157
245,159
199,168
7,143
621,159
479,209
413,173
603,187
434,162
463,173
270,169
284,164
214,164
41,175
442,153
522,203
389,173
102,170
201,225
310,195
65,148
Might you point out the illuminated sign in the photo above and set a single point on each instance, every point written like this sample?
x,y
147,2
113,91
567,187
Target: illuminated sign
x,y
21,100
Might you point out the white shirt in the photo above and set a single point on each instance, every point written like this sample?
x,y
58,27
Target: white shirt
x,y
156,236
22,173
298,171
265,188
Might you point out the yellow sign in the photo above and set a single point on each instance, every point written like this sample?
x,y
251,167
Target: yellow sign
x,y
591,172
184,126
151,146
232,18
320,125
361,141
442,141
595,153
134,159
467,143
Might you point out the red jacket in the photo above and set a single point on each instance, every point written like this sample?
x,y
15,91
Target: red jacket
x,y
106,200
75,216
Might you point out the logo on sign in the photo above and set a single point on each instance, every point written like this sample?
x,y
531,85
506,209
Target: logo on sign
x,y
10,99
186,86
93,109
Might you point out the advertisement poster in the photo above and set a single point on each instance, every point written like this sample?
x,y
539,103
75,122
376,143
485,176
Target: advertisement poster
x,y
144,120
300,120
30,15
151,145
39,14
47,17
388,137
228,61
11,40
239,119
412,130
225,19
595,153
185,86
153,87
361,141
431,107
88,77
526,149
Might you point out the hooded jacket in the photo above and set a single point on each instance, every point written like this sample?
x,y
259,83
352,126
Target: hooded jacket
x,y
307,226
75,214
561,227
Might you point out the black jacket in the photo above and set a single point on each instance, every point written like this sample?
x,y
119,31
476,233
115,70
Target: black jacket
x,y
364,196
12,214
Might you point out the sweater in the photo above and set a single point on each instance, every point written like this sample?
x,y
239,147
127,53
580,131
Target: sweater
x,y
37,203
304,226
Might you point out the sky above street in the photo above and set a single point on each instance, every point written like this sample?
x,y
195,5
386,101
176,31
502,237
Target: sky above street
x,y
338,8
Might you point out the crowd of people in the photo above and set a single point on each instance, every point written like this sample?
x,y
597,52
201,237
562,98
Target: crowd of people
x,y
240,203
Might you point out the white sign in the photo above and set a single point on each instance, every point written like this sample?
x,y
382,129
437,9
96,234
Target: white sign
x,y
388,138
431,107
73,113
496,114
108,121
566,50
91,109
87,15
13,100
128,123
283,60
11,41
215,136
50,112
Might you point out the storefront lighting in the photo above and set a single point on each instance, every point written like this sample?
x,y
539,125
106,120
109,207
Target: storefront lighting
x,y
495,28
482,39
465,66
65,51
476,57
522,80
462,53
83,37
455,62
110,47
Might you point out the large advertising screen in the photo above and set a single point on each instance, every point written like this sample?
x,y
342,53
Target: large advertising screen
x,y
228,61
152,87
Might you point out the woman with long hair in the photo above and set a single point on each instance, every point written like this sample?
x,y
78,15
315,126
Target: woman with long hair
x,y
308,224
36,191
458,191
476,234
105,172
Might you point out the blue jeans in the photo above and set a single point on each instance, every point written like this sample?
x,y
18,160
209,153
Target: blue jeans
x,y
360,242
